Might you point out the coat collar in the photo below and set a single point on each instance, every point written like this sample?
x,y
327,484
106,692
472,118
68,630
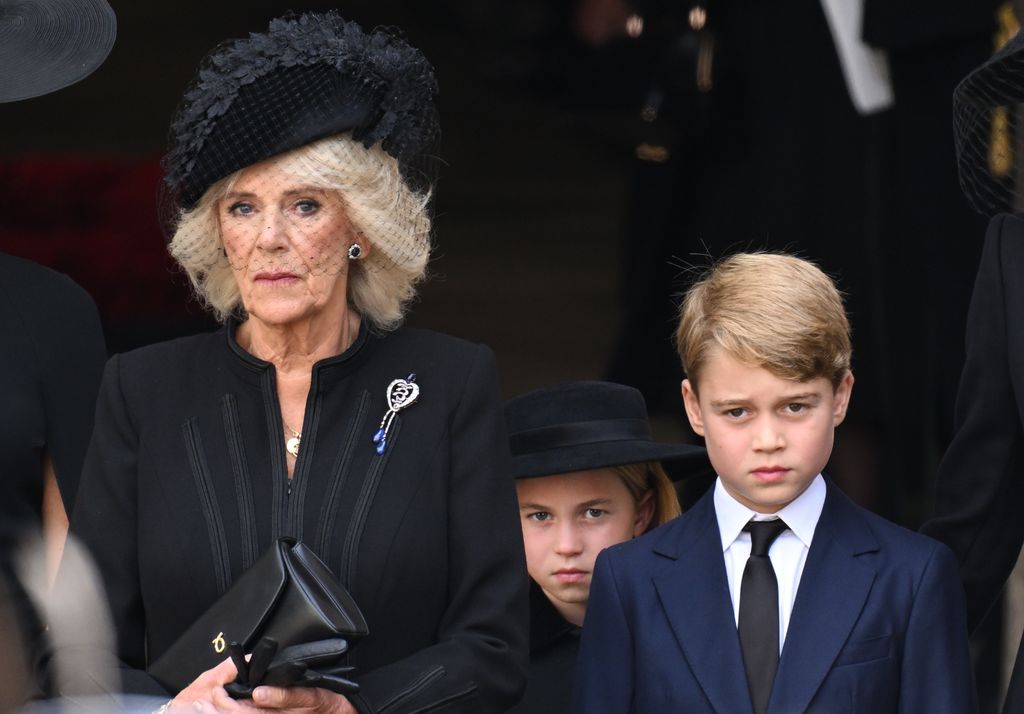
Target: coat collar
x,y
693,591
547,626
252,369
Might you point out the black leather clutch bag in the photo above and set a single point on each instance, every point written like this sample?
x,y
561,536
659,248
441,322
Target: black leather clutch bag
x,y
288,595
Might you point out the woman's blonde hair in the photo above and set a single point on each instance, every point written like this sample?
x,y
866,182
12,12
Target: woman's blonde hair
x,y
649,477
379,205
768,310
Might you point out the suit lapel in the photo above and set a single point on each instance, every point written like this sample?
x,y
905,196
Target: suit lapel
x,y
694,594
833,589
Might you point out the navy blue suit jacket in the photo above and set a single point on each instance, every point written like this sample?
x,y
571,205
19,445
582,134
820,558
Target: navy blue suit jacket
x,y
878,624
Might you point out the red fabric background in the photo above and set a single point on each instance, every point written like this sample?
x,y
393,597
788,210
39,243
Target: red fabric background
x,y
95,220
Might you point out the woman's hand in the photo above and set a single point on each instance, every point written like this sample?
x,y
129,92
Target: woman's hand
x,y
290,700
207,695
205,688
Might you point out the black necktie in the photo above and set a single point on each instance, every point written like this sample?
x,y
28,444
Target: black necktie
x,y
759,613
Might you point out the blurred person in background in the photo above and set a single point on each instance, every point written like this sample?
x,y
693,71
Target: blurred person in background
x,y
980,480
53,356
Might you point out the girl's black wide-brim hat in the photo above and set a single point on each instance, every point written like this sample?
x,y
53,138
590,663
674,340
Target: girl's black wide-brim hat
x,y
308,77
46,45
580,426
986,127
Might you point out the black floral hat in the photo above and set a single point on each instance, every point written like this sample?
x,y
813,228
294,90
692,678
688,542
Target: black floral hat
x,y
308,77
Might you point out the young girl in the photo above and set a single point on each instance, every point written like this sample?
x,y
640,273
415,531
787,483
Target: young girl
x,y
588,476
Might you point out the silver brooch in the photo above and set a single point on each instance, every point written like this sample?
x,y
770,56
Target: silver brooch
x,y
401,393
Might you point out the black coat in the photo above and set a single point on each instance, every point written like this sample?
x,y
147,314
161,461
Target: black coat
x,y
554,644
981,477
50,366
185,486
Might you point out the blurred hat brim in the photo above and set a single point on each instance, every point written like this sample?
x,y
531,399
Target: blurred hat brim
x,y
46,45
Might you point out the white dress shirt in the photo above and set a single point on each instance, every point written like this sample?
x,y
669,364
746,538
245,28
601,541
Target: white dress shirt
x,y
788,553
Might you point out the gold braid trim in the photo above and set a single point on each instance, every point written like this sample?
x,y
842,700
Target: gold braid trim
x,y
1000,147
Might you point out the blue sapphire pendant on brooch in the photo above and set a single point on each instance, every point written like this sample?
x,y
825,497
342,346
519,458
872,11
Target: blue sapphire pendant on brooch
x,y
401,394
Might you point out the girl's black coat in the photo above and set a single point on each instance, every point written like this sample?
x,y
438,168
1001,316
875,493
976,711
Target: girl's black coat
x,y
185,486
554,645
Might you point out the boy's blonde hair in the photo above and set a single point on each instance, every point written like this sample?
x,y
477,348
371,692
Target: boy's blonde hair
x,y
770,310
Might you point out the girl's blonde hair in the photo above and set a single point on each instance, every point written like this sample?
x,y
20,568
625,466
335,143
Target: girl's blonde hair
x,y
649,477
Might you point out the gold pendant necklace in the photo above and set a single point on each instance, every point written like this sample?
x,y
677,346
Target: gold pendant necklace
x,y
293,442
292,445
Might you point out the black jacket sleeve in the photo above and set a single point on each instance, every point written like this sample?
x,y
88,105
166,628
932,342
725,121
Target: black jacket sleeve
x,y
71,351
980,482
105,521
479,662
59,333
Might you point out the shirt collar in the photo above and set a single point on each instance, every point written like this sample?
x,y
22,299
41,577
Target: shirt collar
x,y
801,515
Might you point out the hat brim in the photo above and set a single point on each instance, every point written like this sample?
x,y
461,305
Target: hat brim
x,y
586,457
46,46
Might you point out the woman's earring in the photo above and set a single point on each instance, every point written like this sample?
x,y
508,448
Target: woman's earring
x,y
354,251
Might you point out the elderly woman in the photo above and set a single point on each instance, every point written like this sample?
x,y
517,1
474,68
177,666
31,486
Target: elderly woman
x,y
588,476
301,217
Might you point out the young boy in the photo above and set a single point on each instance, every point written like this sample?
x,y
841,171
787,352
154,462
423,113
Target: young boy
x,y
775,593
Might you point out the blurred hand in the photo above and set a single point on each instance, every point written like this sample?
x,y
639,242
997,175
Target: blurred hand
x,y
600,21
204,689
206,695
291,700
